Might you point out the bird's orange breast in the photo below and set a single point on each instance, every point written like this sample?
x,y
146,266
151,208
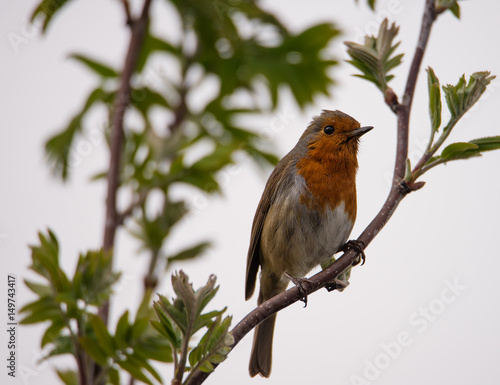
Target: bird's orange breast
x,y
330,176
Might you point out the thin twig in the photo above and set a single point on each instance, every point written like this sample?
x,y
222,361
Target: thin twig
x,y
117,134
128,15
399,190
122,100
138,202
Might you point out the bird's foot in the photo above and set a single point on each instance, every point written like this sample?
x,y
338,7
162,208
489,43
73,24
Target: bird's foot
x,y
301,284
339,283
358,247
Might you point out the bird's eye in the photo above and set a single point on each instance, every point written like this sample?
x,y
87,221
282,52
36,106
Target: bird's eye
x,y
328,130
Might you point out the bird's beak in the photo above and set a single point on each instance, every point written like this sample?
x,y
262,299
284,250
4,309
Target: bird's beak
x,y
359,131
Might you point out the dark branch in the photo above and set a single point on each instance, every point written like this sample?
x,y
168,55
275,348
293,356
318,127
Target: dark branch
x,y
121,103
425,30
399,190
126,7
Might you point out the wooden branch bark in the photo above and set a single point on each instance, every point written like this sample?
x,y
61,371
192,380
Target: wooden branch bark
x,y
399,190
113,220
122,101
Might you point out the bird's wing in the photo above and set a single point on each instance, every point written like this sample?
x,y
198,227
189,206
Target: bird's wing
x,y
273,185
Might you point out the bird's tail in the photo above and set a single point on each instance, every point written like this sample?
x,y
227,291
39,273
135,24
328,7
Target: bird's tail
x,y
262,349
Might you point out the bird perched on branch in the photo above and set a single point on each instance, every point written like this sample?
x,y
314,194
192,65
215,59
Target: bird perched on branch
x,y
304,217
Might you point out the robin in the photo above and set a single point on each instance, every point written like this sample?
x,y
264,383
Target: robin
x,y
304,217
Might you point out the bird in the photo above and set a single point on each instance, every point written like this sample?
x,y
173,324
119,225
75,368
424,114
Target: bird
x,y
305,216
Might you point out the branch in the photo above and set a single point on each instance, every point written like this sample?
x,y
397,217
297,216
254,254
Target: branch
x,y
398,191
138,32
113,220
126,7
137,202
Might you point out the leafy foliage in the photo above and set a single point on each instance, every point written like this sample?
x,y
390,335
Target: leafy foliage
x,y
459,98
375,57
61,299
46,9
464,150
180,318
462,96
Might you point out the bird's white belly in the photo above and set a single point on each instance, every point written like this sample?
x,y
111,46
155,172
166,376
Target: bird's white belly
x,y
295,238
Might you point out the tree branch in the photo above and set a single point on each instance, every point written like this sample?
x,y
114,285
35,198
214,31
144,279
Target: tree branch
x,y
113,219
138,32
128,15
399,190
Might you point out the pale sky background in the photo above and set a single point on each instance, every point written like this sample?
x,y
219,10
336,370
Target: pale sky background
x,y
445,234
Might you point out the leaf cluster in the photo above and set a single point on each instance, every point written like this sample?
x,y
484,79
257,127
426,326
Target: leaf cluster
x,y
375,58
69,304
181,318
459,99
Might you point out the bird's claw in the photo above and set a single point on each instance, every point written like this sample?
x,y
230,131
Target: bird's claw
x,y
301,286
358,247
337,284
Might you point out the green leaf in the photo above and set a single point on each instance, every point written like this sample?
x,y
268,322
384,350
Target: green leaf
x,y
216,160
44,314
462,96
200,179
58,147
92,347
374,58
165,326
53,332
64,345
434,99
45,258
213,346
104,339
474,148
143,98
452,5
371,4
122,332
487,144
99,68
154,348
276,63
93,277
140,362
69,377
114,376
154,44
152,232
455,9
46,9
455,150
134,370
139,328
38,288
406,178
204,320
189,253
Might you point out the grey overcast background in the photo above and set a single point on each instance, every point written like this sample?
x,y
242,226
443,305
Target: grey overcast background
x,y
424,309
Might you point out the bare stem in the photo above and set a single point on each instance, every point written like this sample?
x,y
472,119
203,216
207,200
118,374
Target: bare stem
x,y
399,190
126,8
420,168
138,32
